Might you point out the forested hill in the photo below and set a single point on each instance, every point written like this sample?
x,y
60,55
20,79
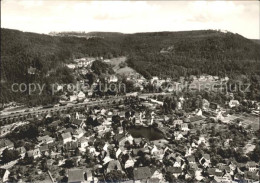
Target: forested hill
x,y
186,52
256,41
22,50
195,52
164,54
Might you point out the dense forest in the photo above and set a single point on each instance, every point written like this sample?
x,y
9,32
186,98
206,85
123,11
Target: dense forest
x,y
165,54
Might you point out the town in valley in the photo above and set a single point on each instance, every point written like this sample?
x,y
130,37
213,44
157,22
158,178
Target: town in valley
x,y
145,134
130,91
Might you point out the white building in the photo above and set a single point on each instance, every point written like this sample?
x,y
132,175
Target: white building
x,y
233,103
81,95
113,79
73,98
71,66
66,137
154,78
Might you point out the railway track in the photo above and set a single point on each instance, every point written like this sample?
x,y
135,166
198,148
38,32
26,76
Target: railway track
x,y
59,108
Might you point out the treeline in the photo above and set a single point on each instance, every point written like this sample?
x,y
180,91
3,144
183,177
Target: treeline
x,y
47,56
187,53
209,53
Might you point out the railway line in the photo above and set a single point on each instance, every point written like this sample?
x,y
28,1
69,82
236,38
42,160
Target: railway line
x,y
26,114
12,118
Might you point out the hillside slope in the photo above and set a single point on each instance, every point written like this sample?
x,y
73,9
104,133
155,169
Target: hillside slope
x,y
163,54
196,52
22,50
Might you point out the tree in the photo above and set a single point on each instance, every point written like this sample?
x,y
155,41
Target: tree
x,y
114,176
127,145
169,177
91,78
127,114
255,154
116,121
100,67
77,152
69,163
9,155
44,166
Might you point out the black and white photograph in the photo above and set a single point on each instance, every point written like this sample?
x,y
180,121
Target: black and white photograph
x,y
130,91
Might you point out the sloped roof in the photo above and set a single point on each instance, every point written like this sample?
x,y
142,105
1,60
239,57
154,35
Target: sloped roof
x,y
195,118
44,148
194,166
78,122
211,171
66,135
251,163
206,156
75,175
251,175
114,164
191,159
174,169
119,136
2,172
142,173
78,131
5,142
21,149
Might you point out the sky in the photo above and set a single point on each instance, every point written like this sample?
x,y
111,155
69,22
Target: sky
x,y
44,16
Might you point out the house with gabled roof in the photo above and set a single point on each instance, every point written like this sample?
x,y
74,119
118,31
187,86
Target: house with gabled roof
x,y
22,151
157,176
252,166
196,119
76,175
177,163
71,146
83,143
44,149
191,159
233,103
177,122
78,123
251,176
4,174
175,171
35,153
66,137
142,173
78,133
222,177
45,139
129,163
184,127
5,144
194,166
113,165
224,167
205,160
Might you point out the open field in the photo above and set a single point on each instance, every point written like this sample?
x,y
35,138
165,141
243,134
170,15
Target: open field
x,y
250,120
115,62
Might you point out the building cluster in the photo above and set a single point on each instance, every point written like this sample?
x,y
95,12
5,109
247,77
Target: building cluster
x,y
135,140
97,145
